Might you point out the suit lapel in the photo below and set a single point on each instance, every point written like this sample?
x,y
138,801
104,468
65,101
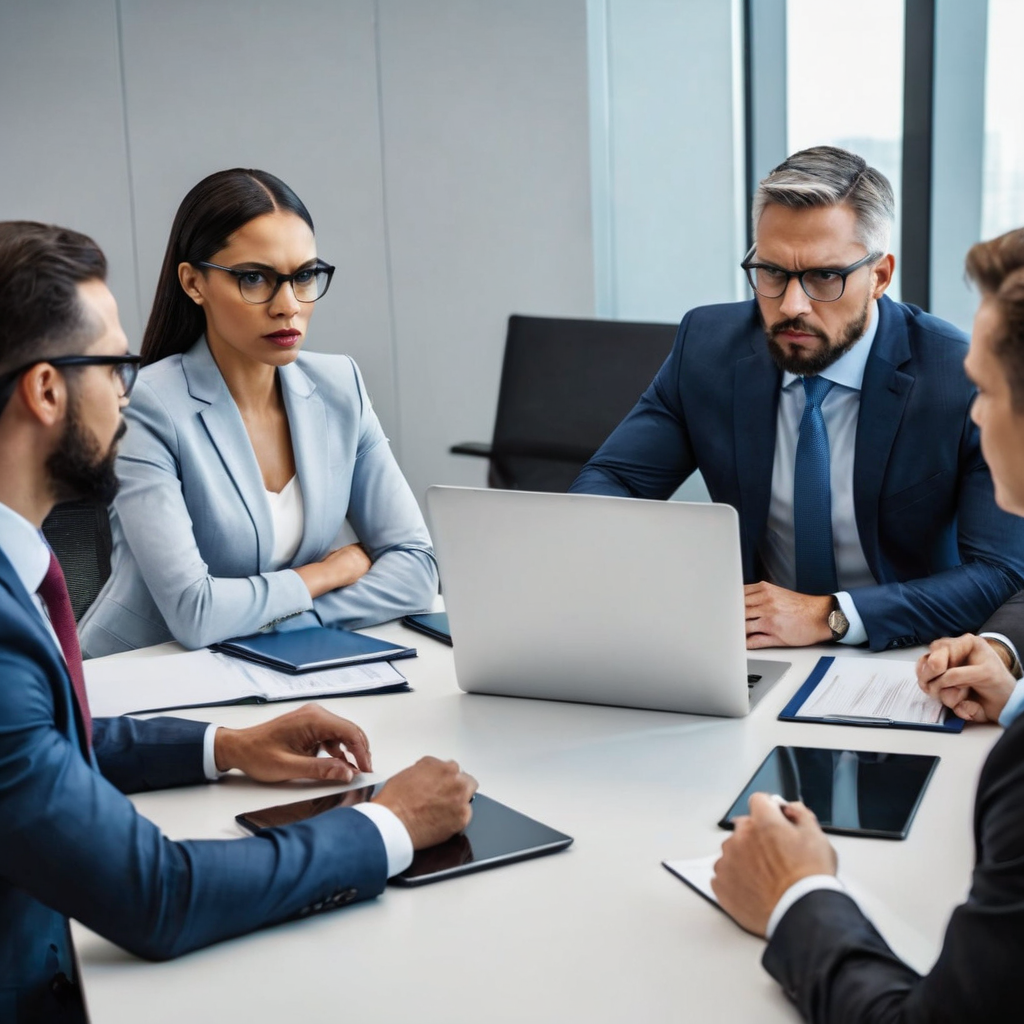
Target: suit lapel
x,y
883,398
311,440
227,432
755,404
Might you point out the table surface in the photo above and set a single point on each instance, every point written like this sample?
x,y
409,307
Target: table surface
x,y
599,932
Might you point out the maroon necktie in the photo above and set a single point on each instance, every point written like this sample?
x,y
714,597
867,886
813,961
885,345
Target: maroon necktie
x,y
54,592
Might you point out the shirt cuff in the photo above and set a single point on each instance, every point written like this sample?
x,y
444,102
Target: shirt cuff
x,y
856,634
1014,706
397,843
797,891
1007,643
209,759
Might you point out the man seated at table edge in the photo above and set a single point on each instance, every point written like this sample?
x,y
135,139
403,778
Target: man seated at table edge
x,y
892,536
71,843
776,876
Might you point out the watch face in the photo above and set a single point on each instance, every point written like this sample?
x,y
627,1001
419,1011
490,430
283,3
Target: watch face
x,y
838,623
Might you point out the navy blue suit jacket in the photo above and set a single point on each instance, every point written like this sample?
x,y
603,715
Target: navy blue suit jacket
x,y
944,556
72,844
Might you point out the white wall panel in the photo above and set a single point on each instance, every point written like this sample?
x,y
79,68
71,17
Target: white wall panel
x,y
292,91
62,148
487,191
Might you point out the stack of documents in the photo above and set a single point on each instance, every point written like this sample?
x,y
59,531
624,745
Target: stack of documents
x,y
195,679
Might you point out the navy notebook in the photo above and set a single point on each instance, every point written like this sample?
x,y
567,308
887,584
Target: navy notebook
x,y
318,647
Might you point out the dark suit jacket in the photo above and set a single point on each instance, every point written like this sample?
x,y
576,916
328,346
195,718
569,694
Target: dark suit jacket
x,y
1009,620
837,968
72,845
945,557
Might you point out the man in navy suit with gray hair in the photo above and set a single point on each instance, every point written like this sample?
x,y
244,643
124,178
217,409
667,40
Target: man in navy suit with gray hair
x,y
71,843
836,422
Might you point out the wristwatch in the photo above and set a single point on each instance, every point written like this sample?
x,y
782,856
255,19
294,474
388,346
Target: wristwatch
x,y
837,621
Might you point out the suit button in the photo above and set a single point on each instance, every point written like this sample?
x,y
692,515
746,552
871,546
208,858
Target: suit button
x,y
345,896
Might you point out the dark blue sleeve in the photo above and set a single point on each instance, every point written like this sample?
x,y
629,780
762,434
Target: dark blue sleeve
x,y
136,754
71,840
649,454
957,599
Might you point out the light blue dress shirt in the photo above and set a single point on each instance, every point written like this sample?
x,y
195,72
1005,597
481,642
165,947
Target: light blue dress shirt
x,y
840,409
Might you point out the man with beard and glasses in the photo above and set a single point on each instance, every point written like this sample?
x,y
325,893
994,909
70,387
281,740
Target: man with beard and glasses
x,y
836,422
71,843
777,873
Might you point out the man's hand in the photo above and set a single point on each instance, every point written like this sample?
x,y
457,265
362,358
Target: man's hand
x,y
967,674
286,747
431,799
769,851
784,618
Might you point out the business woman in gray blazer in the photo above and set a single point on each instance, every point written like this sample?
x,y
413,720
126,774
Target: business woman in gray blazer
x,y
243,456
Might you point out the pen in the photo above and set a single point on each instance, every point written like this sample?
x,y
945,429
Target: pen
x,y
860,719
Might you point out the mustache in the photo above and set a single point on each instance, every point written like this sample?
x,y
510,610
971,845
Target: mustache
x,y
795,324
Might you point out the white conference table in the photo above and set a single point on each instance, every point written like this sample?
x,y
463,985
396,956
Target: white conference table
x,y
599,932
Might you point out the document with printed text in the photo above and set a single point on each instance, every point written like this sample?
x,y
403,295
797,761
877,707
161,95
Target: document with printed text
x,y
192,679
868,691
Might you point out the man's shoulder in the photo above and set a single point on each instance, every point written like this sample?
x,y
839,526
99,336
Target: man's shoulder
x,y
928,335
716,331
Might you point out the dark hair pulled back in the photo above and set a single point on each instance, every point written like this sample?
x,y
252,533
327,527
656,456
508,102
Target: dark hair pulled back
x,y
215,208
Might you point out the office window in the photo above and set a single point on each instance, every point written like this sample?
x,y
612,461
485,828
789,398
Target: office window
x,y
1003,193
844,83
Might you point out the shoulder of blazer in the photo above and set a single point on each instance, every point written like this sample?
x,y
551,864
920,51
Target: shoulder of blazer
x,y
725,328
336,376
906,332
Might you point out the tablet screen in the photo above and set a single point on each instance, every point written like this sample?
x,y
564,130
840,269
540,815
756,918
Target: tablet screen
x,y
853,792
495,835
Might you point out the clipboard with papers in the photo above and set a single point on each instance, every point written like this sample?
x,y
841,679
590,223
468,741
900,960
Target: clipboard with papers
x,y
869,692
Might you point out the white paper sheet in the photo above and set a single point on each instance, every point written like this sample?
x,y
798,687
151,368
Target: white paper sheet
x,y
905,940
121,686
872,688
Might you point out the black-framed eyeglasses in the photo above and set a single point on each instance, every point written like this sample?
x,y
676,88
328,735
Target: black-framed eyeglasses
x,y
260,284
125,366
822,284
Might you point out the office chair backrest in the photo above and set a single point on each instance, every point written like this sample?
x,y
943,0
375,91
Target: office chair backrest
x,y
79,533
565,385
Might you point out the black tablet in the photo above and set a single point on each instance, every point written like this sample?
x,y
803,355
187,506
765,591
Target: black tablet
x,y
853,792
495,835
433,624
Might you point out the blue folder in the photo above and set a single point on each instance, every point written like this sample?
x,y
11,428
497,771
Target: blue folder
x,y
950,722
317,647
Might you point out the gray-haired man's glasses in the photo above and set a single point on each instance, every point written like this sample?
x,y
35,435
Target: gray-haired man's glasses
x,y
823,284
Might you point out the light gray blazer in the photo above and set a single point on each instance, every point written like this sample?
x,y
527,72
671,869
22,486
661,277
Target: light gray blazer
x,y
192,527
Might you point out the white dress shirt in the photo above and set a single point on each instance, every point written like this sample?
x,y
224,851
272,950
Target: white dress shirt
x,y
840,409
29,555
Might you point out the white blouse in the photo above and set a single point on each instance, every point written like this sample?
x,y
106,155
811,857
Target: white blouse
x,y
288,515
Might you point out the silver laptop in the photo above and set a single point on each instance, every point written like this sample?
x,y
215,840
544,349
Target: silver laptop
x,y
603,600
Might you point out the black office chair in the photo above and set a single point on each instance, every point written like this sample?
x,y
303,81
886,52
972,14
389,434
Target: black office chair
x,y
79,533
565,385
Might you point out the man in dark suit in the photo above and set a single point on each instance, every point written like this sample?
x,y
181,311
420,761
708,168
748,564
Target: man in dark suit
x,y
776,876
836,422
71,843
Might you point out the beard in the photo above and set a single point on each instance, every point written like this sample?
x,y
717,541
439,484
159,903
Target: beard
x,y
807,364
78,470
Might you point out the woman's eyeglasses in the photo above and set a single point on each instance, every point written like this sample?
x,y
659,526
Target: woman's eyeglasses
x,y
258,285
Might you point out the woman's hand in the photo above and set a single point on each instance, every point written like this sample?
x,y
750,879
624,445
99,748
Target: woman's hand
x,y
340,568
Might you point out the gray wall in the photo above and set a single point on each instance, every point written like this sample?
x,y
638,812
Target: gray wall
x,y
441,147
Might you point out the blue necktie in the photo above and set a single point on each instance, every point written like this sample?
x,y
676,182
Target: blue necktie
x,y
812,497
